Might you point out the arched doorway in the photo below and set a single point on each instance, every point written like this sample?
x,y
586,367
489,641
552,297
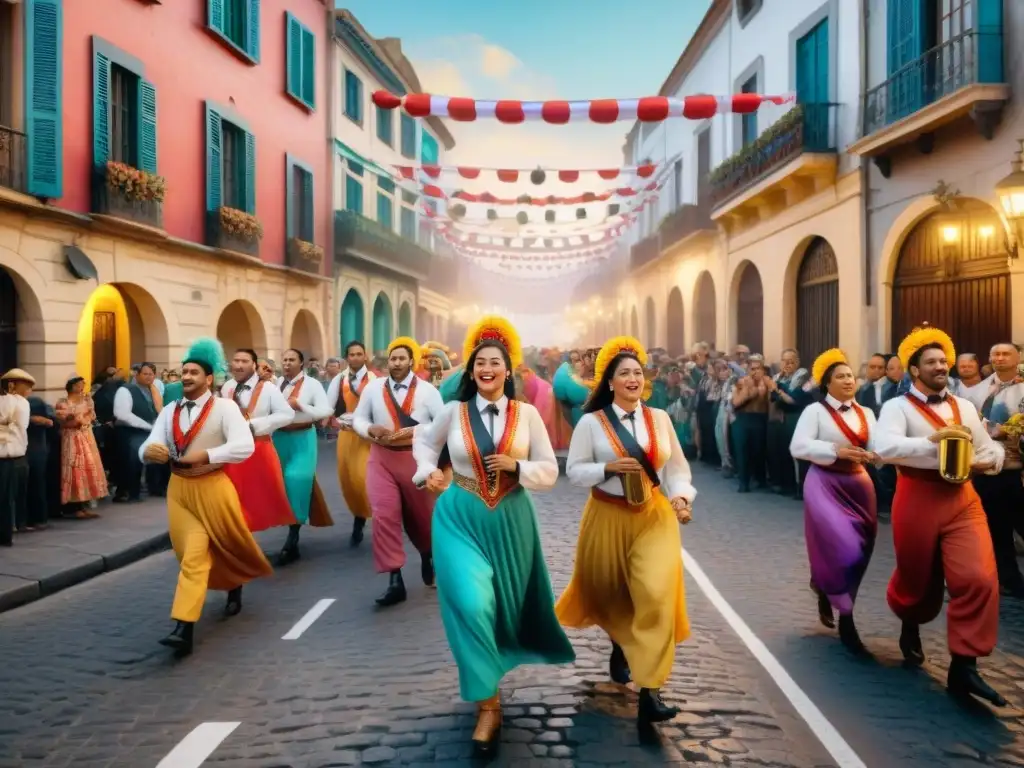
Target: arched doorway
x,y
675,339
704,309
650,323
952,273
352,319
750,309
9,310
634,324
120,325
306,335
382,323
817,300
240,325
405,319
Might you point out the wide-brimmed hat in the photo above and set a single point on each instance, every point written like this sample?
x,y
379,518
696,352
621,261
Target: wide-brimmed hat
x,y
17,374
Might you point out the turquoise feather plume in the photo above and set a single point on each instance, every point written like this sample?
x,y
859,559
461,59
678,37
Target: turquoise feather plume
x,y
209,351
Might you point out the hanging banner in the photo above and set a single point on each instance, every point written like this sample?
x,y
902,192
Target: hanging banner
x,y
432,190
537,176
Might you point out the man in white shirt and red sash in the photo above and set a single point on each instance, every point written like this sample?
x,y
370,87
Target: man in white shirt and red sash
x,y
388,411
938,525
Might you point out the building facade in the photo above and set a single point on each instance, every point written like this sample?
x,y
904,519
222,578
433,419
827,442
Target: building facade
x,y
384,250
150,146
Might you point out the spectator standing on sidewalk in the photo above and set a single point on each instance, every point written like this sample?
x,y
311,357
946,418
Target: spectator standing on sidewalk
x,y
15,386
40,440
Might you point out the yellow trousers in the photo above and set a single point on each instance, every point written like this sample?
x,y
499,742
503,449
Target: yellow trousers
x,y
211,540
353,453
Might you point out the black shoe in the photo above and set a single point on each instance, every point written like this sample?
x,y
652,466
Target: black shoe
x,y
964,681
234,604
1015,591
849,635
427,570
180,639
357,531
825,615
121,498
618,667
290,551
910,645
395,593
652,709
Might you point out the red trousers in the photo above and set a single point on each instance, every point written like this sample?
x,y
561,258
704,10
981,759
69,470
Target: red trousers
x,y
940,534
396,503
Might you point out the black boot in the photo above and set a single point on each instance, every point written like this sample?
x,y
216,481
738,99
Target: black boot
x,y
358,524
652,709
395,593
849,635
180,638
427,570
964,681
910,645
618,667
234,604
290,550
825,615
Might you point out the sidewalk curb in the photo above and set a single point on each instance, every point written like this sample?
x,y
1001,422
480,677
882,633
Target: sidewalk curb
x,y
31,591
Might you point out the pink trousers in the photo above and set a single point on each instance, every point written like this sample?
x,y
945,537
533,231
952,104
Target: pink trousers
x,y
395,502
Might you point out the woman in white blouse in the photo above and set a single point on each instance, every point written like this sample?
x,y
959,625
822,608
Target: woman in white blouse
x,y
493,586
628,575
840,517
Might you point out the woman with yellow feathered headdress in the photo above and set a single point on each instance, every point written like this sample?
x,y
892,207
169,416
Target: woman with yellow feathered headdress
x,y
493,585
628,577
937,517
836,436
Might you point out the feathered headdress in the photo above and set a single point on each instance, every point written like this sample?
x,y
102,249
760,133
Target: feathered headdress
x,y
496,330
616,346
208,354
826,360
921,337
410,344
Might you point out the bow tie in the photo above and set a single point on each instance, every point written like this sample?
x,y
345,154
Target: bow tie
x,y
844,408
400,386
189,405
629,416
492,408
936,399
242,387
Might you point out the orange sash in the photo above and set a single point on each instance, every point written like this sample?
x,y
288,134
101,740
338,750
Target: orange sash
x,y
858,439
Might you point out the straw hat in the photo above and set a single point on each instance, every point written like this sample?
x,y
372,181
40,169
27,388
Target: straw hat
x,y
17,374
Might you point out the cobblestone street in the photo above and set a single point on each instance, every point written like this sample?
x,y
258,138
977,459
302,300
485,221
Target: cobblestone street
x,y
85,684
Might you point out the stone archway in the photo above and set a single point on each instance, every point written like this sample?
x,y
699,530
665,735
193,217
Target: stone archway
x,y
634,324
353,319
21,320
750,308
306,335
705,309
650,323
405,319
121,325
240,325
675,338
817,300
383,323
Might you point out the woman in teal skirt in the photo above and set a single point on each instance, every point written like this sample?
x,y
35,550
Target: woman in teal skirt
x,y
493,586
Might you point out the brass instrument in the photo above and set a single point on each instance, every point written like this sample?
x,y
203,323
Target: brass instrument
x,y
956,455
636,488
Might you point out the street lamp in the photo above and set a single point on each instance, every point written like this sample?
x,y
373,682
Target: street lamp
x,y
1011,195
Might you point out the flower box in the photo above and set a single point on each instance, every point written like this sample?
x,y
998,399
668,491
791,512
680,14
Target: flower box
x,y
233,230
128,193
305,255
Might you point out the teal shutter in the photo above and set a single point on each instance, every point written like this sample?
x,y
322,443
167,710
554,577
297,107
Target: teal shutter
x,y
147,126
215,15
100,109
353,195
307,206
250,173
812,80
252,31
989,26
44,43
905,36
293,55
428,149
289,198
214,192
308,67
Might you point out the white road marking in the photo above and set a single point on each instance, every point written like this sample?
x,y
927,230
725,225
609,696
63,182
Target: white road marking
x,y
306,621
820,726
193,750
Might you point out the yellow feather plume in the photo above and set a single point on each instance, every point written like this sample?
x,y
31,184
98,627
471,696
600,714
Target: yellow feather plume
x,y
921,337
496,329
405,341
612,347
824,361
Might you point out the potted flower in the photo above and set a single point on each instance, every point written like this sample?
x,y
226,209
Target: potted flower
x,y
238,231
132,193
305,255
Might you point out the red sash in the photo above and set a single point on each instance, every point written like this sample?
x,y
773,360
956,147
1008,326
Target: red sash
x,y
929,413
296,389
390,402
616,443
253,399
183,440
347,386
491,487
858,439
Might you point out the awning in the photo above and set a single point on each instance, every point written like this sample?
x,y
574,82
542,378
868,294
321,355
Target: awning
x,y
350,154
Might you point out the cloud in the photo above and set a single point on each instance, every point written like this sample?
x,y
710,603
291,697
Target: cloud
x,y
498,62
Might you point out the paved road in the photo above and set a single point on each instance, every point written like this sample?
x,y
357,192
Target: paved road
x,y
85,684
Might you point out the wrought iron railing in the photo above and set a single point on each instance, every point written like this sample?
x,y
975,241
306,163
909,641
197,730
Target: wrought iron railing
x,y
970,58
13,160
683,222
804,128
353,230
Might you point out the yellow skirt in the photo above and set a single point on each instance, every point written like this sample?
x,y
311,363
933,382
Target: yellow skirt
x,y
211,540
353,453
628,580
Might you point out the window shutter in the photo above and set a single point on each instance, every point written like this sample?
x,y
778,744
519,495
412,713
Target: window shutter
x,y
307,207
214,144
289,198
293,56
44,32
100,109
147,126
215,15
308,67
250,173
252,41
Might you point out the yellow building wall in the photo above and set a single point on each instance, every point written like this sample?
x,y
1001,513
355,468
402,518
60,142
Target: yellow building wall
x,y
106,298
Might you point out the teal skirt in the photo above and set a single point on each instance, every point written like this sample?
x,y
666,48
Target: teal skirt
x,y
496,601
297,451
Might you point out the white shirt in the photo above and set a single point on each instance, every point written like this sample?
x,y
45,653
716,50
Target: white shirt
x,y
312,399
590,452
373,410
272,411
901,435
123,410
817,436
531,447
236,443
334,388
14,419
1009,394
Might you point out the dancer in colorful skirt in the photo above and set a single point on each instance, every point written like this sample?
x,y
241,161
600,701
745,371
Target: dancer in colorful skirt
x,y
840,515
297,449
198,435
259,479
938,526
387,413
628,576
343,395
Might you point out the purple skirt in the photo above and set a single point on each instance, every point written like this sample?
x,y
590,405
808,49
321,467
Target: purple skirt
x,y
840,523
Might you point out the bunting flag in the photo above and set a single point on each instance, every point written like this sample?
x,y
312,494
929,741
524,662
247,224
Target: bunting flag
x,y
648,109
432,190
512,175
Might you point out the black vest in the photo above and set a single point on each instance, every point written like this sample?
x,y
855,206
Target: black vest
x,y
142,407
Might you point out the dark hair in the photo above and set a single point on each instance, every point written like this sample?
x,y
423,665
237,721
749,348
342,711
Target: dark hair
x,y
467,385
826,377
250,352
915,359
601,396
882,355
402,346
351,344
70,384
298,352
151,367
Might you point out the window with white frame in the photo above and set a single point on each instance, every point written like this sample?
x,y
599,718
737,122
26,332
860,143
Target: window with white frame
x,y
407,216
354,187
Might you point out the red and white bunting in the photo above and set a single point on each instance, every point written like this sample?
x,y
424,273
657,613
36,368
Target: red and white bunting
x,y
512,175
434,191
648,109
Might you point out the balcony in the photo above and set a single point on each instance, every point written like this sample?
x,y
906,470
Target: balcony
x,y
359,239
304,256
962,76
122,192
791,160
683,225
12,160
645,252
